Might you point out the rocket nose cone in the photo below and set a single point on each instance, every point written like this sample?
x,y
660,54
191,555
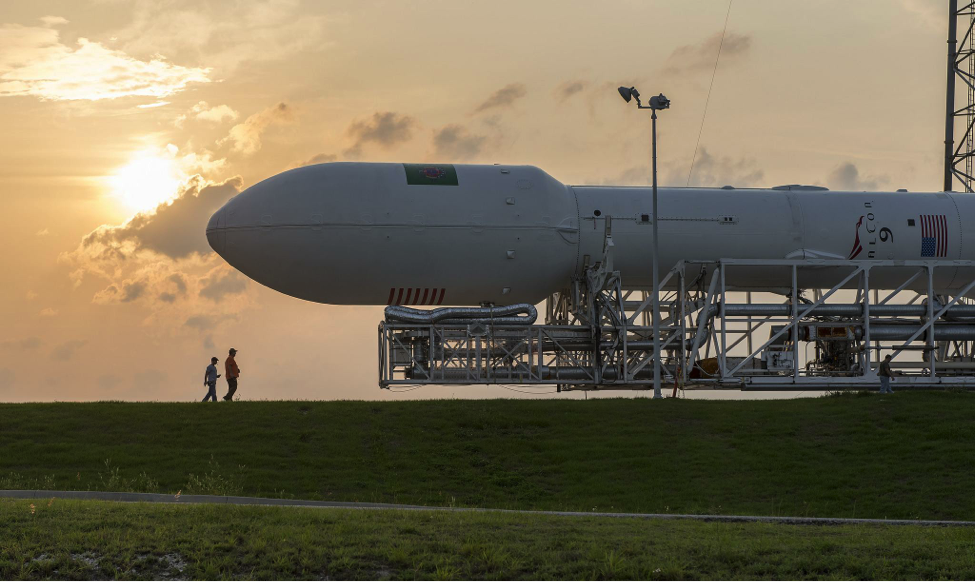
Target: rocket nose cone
x,y
216,231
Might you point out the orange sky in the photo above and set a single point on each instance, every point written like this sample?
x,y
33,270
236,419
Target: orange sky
x,y
111,107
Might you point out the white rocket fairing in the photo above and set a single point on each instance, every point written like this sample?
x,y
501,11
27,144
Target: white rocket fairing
x,y
419,234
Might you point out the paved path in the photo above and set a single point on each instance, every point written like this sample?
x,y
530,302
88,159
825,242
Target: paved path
x,y
233,500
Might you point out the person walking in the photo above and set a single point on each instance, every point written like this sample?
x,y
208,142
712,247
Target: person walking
x,y
210,379
885,375
233,372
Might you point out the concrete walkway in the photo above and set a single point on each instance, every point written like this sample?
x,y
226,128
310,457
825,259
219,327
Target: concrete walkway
x,y
264,501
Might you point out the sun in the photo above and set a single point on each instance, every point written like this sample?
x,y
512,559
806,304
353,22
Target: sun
x,y
147,181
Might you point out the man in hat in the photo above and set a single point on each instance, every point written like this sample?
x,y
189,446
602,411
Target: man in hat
x,y
233,372
210,379
885,375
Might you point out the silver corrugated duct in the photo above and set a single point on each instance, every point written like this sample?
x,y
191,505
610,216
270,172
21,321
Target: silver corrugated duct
x,y
505,315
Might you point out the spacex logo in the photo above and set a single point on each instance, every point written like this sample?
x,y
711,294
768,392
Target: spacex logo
x,y
857,247
875,236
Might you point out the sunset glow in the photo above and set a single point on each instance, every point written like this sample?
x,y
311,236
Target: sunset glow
x,y
110,109
145,182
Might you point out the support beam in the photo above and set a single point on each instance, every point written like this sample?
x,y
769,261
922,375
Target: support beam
x,y
950,92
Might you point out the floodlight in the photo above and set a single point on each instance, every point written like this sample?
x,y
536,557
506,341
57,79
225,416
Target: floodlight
x,y
659,102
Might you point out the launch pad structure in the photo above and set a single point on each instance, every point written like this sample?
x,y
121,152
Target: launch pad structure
x,y
597,334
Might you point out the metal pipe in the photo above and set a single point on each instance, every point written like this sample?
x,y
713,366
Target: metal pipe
x,y
656,267
504,315
835,310
942,332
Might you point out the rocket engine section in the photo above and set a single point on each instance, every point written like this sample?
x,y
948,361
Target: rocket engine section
x,y
428,234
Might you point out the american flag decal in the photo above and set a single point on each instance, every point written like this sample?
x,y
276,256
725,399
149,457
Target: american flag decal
x,y
934,235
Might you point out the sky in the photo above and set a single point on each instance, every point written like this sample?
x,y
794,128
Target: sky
x,y
126,123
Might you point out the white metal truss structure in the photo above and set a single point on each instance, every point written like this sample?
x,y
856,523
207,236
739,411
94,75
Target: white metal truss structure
x,y
930,336
597,335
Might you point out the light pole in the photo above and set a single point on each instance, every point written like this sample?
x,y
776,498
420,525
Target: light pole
x,y
656,102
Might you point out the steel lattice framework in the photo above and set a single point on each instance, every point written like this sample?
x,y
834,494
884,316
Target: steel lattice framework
x,y
597,334
960,158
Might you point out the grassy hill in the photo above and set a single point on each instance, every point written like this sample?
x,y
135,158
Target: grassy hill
x,y
81,540
910,455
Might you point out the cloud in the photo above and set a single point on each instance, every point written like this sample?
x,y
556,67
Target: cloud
x,y
160,263
177,279
179,282
635,176
701,57
569,88
712,171
931,14
503,97
709,172
53,20
64,352
245,137
30,296
108,381
42,232
200,163
176,229
125,292
207,322
149,381
132,291
203,111
26,344
847,176
151,280
217,114
316,159
456,142
201,322
34,62
221,35
48,312
385,128
220,283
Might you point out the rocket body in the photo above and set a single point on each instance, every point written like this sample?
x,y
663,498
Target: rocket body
x,y
413,234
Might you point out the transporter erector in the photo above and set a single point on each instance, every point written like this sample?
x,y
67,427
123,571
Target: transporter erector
x,y
491,236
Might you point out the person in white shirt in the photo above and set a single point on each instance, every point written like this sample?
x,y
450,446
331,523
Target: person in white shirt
x,y
210,379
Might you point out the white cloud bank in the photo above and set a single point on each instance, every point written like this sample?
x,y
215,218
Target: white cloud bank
x,y
34,62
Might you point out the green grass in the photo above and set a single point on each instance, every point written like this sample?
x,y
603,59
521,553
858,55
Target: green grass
x,y
92,540
911,455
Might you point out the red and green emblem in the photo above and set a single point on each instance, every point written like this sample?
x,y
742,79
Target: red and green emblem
x,y
430,174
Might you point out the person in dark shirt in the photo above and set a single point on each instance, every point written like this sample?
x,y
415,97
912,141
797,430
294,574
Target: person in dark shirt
x,y
885,375
233,372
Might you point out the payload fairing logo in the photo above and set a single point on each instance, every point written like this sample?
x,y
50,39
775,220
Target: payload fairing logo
x,y
430,174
